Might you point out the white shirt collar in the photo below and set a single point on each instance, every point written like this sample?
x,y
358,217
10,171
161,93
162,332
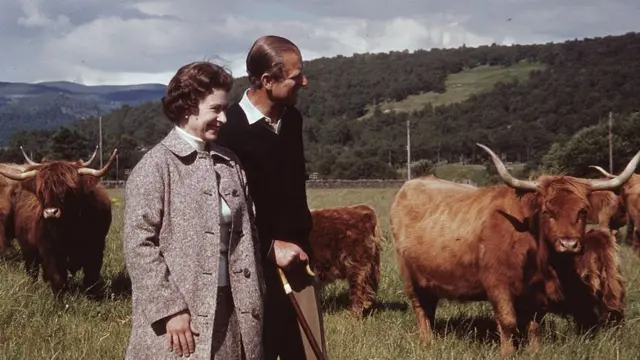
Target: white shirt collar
x,y
253,114
194,141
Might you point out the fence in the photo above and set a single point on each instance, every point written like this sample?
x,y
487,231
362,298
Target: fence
x,y
360,183
321,184
313,184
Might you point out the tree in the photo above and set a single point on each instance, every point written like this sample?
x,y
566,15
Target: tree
x,y
68,144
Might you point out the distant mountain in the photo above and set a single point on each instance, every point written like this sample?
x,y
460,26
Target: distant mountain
x,y
46,105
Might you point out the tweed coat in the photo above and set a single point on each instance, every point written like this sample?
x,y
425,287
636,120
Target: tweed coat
x,y
171,247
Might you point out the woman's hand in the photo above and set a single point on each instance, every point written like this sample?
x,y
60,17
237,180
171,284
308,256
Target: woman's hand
x,y
180,334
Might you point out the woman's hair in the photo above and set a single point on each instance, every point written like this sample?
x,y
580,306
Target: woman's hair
x,y
265,56
190,85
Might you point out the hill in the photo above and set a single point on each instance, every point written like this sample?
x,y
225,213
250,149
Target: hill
x,y
520,100
50,105
460,86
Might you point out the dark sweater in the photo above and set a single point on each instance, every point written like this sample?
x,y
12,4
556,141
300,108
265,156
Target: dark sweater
x,y
276,174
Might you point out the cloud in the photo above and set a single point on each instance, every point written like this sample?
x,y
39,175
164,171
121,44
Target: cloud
x,y
133,41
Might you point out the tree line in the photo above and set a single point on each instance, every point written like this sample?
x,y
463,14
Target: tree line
x,y
529,121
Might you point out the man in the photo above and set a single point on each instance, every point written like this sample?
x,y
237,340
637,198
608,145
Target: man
x,y
265,131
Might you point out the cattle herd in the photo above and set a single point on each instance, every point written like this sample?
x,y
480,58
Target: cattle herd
x,y
524,247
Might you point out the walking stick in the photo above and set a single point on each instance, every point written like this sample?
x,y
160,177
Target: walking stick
x,y
301,319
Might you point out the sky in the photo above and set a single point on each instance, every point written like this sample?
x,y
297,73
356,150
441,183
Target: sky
x,y
96,42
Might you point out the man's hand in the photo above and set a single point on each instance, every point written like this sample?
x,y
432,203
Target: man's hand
x,y
287,254
180,334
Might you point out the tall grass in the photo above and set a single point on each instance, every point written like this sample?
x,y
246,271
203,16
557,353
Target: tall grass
x,y
32,326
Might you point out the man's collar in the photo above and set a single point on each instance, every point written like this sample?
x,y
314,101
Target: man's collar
x,y
251,111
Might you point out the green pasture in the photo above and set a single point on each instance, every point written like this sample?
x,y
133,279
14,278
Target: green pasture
x,y
32,327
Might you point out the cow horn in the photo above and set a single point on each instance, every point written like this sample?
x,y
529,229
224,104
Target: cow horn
x,y
618,180
506,177
19,176
88,162
603,171
31,162
98,173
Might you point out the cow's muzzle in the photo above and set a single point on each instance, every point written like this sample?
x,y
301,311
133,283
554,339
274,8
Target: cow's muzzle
x,y
52,213
571,245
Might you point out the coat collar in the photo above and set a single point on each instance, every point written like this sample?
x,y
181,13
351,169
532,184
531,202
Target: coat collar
x,y
181,148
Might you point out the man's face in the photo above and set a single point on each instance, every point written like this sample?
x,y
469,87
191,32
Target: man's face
x,y
286,90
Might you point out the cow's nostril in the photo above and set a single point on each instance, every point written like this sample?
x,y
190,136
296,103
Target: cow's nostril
x,y
51,213
570,244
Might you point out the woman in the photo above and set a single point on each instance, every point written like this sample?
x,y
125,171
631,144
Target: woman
x,y
190,244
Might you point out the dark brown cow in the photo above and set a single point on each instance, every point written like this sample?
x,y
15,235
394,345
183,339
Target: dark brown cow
x,y
62,215
492,244
630,194
592,285
346,245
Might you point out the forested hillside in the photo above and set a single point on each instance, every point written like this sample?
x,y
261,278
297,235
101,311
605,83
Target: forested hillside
x,y
357,108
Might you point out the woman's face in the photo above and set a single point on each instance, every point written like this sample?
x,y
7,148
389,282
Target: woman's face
x,y
206,124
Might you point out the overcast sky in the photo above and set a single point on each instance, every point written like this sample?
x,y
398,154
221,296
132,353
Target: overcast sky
x,y
131,41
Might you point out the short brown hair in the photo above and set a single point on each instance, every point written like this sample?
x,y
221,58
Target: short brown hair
x,y
192,83
265,56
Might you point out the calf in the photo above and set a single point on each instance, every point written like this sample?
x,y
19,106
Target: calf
x,y
346,245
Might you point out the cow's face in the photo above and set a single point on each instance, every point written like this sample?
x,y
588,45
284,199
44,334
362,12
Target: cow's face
x,y
57,184
562,202
562,205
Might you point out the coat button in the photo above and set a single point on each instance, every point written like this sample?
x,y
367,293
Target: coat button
x,y
235,193
246,273
255,314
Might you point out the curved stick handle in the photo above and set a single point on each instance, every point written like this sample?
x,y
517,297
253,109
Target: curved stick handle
x,y
285,281
309,271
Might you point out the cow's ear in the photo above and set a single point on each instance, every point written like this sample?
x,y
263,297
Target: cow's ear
x,y
89,181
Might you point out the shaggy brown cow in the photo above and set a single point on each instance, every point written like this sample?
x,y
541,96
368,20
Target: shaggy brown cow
x,y
7,192
62,215
491,244
630,194
437,183
346,245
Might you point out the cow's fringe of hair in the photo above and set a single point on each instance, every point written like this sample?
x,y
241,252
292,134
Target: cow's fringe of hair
x,y
65,177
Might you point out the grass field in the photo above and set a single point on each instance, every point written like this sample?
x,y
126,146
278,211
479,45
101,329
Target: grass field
x,y
462,85
32,327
